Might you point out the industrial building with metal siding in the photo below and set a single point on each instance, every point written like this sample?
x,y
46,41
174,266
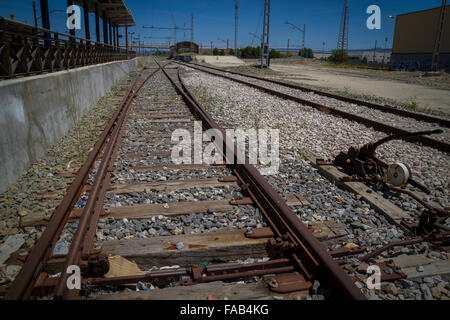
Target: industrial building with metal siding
x,y
414,39
182,50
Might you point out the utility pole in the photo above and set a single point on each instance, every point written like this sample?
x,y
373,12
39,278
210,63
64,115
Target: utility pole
x,y
342,44
437,41
288,46
323,51
126,37
303,31
192,27
385,49
192,31
35,14
236,20
375,53
175,28
265,51
175,33
304,36
227,42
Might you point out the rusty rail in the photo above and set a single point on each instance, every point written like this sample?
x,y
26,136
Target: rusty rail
x,y
304,249
405,113
42,251
437,144
82,242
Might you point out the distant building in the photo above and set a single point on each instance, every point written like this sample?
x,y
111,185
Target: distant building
x,y
414,38
183,50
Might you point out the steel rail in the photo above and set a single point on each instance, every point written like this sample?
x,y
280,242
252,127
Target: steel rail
x,y
267,199
210,273
23,284
91,213
405,113
436,144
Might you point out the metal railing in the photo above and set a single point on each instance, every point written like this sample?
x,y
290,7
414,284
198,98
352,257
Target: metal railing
x,y
28,50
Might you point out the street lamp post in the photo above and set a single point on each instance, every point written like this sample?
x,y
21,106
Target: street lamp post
x,y
303,31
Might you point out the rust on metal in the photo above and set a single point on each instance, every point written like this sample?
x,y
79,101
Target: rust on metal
x,y
344,252
364,163
287,283
228,179
437,144
22,285
390,272
259,233
384,108
242,202
274,208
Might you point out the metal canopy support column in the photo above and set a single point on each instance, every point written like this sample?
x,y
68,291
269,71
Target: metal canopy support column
x,y
105,28
126,37
72,30
97,23
86,20
265,36
110,32
113,35
117,36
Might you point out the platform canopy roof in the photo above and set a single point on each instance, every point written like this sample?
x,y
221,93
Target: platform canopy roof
x,y
116,10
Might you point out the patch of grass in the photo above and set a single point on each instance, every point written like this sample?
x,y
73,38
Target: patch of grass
x,y
412,104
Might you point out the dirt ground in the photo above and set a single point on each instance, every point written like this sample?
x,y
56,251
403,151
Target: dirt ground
x,y
419,92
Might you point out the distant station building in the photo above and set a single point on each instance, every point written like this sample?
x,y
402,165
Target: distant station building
x,y
184,50
414,40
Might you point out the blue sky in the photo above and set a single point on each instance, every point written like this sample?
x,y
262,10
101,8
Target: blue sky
x,y
215,19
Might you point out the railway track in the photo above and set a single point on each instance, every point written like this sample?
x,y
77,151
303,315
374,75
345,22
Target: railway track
x,y
419,229
120,184
363,156
381,118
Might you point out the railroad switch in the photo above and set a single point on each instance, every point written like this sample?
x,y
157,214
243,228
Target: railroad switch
x,y
97,265
276,248
362,163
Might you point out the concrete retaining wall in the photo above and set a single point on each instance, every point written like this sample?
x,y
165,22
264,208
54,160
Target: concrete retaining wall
x,y
36,111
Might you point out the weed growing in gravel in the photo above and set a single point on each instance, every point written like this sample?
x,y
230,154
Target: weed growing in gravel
x,y
412,103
